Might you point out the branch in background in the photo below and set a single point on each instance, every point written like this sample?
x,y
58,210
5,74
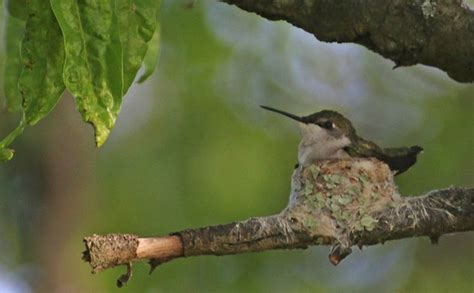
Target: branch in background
x,y
338,203
429,32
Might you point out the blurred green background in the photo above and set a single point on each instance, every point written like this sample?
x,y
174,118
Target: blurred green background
x,y
192,148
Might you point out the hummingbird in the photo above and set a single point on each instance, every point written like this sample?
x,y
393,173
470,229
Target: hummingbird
x,y
329,135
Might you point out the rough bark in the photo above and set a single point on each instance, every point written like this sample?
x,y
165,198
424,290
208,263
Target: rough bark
x,y
338,203
438,33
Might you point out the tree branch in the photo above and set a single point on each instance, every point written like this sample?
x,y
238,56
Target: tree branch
x,y
438,33
339,203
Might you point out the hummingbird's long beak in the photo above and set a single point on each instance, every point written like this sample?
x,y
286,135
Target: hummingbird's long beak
x,y
294,117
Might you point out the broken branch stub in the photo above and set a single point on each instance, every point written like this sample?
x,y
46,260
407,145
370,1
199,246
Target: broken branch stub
x,y
105,251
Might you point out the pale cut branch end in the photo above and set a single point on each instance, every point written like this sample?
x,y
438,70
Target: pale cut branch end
x,y
105,251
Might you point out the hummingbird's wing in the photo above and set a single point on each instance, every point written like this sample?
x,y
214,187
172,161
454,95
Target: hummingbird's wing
x,y
363,148
398,159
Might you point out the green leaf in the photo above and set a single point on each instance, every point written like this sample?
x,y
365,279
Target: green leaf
x,y
92,48
93,69
41,83
151,57
14,33
138,25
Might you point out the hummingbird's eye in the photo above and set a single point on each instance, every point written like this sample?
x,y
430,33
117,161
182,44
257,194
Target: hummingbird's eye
x,y
326,124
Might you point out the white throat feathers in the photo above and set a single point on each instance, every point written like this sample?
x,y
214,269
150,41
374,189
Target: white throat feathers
x,y
318,144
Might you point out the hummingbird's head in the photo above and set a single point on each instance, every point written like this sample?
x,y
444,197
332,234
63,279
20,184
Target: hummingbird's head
x,y
323,123
326,134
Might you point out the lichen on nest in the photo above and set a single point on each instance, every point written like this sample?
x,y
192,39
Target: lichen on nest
x,y
337,197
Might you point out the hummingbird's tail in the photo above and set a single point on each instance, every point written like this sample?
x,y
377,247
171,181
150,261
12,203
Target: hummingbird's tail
x,y
400,159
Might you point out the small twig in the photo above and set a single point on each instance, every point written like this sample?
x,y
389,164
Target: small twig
x,y
123,279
